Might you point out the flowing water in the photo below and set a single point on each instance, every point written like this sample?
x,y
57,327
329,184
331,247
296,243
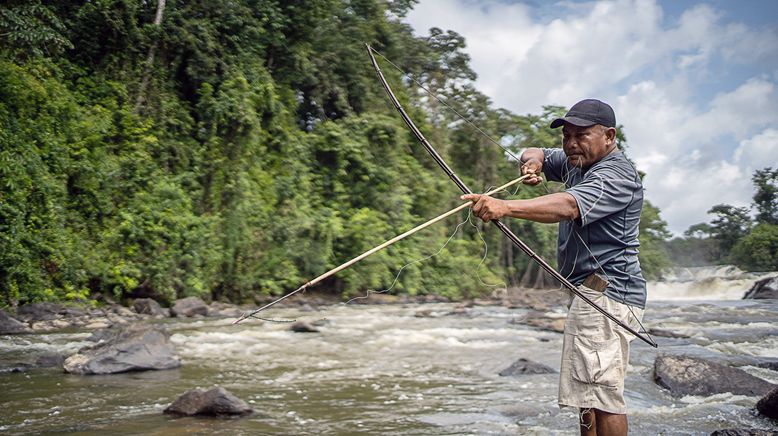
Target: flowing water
x,y
380,369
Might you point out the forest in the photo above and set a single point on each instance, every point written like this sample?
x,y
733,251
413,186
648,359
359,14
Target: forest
x,y
236,149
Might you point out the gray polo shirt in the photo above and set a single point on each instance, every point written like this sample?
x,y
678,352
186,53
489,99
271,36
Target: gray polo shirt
x,y
604,239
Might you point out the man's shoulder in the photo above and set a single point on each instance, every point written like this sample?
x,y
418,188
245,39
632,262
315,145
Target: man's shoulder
x,y
616,165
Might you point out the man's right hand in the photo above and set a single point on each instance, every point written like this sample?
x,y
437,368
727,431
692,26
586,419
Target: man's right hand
x,y
533,167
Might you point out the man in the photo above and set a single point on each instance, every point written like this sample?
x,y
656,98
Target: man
x,y
598,216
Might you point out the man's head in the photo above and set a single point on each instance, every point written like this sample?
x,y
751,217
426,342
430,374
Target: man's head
x,y
589,132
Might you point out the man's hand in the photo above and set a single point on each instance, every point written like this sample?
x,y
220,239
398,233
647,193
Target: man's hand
x,y
532,167
486,207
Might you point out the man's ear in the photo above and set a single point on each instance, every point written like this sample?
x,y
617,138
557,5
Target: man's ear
x,y
610,133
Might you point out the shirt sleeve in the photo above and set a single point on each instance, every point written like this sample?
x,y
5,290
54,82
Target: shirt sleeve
x,y
603,193
554,163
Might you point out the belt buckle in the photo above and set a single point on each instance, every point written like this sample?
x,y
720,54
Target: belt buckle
x,y
594,281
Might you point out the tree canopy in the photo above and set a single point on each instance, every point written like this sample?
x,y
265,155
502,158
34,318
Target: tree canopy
x,y
232,149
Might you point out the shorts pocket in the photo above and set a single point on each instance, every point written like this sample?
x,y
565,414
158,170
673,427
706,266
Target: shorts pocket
x,y
596,361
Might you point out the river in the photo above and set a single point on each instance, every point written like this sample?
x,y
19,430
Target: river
x,y
381,369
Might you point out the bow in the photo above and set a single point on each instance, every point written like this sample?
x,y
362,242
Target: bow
x,y
503,228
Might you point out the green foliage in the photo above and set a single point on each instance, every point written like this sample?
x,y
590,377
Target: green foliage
x,y
31,29
653,233
758,251
766,196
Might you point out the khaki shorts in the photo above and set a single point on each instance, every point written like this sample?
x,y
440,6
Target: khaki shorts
x,y
595,354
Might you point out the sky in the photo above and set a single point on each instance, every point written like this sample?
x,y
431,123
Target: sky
x,y
694,83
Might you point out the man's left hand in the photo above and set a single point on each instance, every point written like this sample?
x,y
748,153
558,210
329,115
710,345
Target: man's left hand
x,y
486,207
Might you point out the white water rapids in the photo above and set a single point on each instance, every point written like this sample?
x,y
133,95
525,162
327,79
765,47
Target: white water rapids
x,y
380,369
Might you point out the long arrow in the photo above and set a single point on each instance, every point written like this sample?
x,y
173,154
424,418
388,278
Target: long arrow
x,y
503,228
376,249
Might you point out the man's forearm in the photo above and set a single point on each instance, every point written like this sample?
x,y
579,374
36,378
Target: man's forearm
x,y
551,208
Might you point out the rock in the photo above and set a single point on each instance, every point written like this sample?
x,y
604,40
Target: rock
x,y
147,306
189,307
542,321
13,369
665,333
40,311
122,311
50,360
134,348
214,402
769,364
743,432
11,326
217,308
685,375
763,289
524,366
768,405
303,327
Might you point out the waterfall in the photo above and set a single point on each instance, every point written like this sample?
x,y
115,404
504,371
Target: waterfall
x,y
716,282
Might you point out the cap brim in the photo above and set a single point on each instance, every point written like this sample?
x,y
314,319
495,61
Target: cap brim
x,y
580,122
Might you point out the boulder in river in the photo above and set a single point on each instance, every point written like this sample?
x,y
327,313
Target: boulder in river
x,y
768,405
549,321
147,306
524,366
214,402
11,326
136,347
685,375
303,327
763,289
189,307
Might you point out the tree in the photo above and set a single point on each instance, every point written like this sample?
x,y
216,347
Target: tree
x,y
758,251
730,224
766,196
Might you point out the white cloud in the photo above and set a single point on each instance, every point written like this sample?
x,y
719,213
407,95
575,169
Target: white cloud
x,y
650,68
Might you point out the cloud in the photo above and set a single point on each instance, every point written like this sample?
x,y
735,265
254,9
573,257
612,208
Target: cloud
x,y
697,95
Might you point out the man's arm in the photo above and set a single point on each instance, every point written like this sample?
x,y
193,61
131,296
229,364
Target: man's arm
x,y
551,208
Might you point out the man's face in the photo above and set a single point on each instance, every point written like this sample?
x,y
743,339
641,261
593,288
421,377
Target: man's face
x,y
584,146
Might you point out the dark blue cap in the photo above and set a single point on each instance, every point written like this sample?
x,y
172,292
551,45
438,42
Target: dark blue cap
x,y
587,113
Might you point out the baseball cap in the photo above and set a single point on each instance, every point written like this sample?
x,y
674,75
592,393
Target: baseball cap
x,y
587,113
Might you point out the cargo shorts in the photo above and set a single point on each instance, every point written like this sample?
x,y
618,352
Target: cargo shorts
x,y
595,353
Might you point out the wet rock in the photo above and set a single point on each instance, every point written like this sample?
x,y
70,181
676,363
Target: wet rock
x,y
214,402
743,432
147,306
13,369
685,375
133,348
542,321
763,289
189,307
303,327
768,405
50,360
11,326
217,308
769,364
40,311
665,333
523,367
423,313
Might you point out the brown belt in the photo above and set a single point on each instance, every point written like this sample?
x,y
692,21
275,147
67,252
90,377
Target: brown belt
x,y
594,281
